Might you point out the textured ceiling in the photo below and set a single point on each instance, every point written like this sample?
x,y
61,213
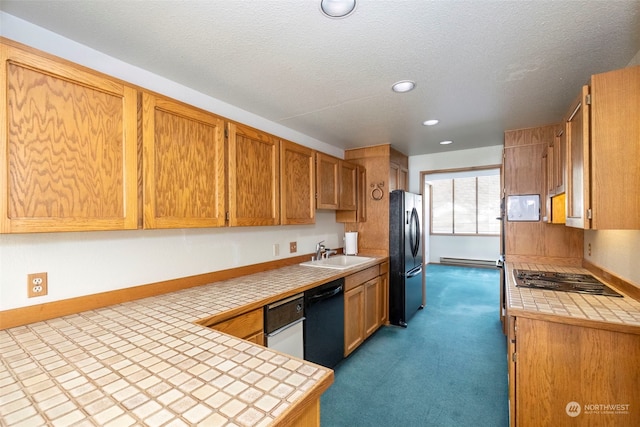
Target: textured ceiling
x,y
481,66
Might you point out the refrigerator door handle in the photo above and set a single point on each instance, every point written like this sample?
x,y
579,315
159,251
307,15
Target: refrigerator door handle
x,y
413,272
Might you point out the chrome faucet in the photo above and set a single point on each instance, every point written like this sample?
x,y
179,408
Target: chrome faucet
x,y
319,250
328,252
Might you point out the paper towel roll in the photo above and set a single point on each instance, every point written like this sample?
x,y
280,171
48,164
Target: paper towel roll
x,y
351,243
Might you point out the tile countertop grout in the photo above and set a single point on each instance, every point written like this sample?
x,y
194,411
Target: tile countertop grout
x,y
146,362
612,310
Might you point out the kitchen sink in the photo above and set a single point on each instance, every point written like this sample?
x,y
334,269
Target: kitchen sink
x,y
338,262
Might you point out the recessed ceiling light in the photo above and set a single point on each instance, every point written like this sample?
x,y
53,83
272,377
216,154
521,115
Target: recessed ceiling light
x,y
446,142
337,8
403,86
430,122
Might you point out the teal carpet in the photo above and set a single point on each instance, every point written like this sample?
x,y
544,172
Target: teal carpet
x,y
447,368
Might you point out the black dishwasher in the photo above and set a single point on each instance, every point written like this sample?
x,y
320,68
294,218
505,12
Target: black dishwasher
x,y
324,324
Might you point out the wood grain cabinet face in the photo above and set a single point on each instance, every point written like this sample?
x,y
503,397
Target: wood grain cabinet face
x,y
327,181
68,146
254,177
247,326
364,300
183,165
360,214
603,148
552,364
371,306
297,180
577,129
336,183
348,186
398,177
353,319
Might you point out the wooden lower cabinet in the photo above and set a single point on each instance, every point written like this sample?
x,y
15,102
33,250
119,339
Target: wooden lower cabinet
x,y
573,375
371,306
248,326
364,306
353,319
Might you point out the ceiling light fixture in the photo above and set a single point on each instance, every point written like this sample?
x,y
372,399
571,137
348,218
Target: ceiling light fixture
x,y
446,142
403,86
337,8
430,122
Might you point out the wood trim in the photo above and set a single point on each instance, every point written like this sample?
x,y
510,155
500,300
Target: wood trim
x,y
306,413
626,287
35,313
454,170
565,320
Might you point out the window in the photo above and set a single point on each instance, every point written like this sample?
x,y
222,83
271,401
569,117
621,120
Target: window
x,y
465,202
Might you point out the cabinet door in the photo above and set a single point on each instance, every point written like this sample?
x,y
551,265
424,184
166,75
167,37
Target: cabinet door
x,y
371,306
353,319
297,179
615,149
183,165
360,214
398,177
383,293
560,161
577,185
348,186
254,177
68,146
327,181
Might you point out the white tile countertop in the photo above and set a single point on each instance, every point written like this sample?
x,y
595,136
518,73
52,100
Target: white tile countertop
x,y
580,307
147,362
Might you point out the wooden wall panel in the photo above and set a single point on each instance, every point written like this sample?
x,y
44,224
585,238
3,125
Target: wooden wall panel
x,y
373,235
524,174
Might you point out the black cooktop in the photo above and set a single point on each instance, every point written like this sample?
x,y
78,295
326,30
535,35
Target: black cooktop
x,y
564,282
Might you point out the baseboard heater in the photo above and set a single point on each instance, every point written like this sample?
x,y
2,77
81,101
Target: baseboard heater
x,y
467,262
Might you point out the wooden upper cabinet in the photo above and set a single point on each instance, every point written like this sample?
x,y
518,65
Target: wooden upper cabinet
x,y
297,184
183,165
327,181
603,148
254,177
560,161
336,183
68,146
360,214
348,186
398,177
615,149
577,186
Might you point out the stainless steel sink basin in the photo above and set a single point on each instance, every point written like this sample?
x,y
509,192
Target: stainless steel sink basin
x,y
338,262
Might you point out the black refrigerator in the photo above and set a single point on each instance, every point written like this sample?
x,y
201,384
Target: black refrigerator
x,y
405,256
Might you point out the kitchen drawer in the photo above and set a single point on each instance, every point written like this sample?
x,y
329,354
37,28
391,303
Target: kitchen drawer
x,y
243,325
360,277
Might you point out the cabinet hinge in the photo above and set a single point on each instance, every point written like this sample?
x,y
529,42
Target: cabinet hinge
x,y
226,216
514,357
226,133
589,213
587,99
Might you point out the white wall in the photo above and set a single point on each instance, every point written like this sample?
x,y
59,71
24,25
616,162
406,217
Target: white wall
x,y
85,263
474,247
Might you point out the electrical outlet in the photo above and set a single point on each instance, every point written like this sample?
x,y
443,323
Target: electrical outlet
x,y
293,247
37,285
